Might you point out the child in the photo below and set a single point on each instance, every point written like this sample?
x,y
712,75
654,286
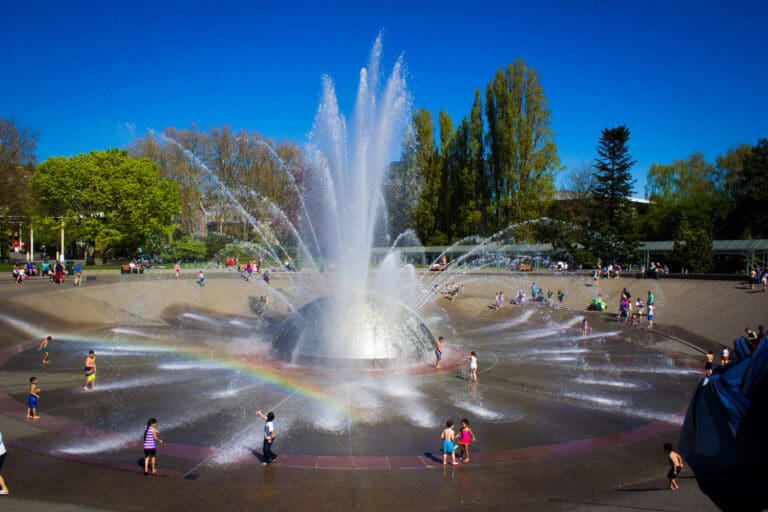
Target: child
x,y
33,398
676,463
724,356
90,371
584,327
200,279
150,446
448,435
269,436
3,486
709,363
44,349
176,270
473,366
650,309
464,437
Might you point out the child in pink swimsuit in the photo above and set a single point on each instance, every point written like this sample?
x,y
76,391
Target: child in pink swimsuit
x,y
464,438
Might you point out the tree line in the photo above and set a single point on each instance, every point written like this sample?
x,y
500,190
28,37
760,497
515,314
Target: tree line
x,y
491,173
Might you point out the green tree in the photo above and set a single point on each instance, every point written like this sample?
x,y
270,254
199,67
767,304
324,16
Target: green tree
x,y
613,230
692,248
522,155
425,157
107,199
746,183
689,190
17,162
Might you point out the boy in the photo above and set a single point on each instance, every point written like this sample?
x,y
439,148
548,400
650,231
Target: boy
x,y
676,463
33,398
438,351
44,349
90,371
448,436
269,436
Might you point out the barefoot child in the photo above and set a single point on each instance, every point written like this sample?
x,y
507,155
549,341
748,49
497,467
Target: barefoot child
x,y
448,435
90,371
473,366
465,434
676,465
44,349
33,398
150,446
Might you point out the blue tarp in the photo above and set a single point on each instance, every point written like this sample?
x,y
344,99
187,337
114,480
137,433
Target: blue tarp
x,y
725,434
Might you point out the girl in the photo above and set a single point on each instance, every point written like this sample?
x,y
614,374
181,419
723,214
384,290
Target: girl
x,y
473,366
464,438
150,446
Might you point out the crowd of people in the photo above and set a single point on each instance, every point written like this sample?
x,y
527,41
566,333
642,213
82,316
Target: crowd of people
x,y
55,272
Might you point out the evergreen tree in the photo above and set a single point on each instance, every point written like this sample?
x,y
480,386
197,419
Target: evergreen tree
x,y
613,218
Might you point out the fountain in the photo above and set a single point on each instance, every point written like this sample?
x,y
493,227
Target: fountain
x,y
344,357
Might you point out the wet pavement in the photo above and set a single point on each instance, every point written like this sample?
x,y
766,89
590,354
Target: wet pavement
x,y
564,421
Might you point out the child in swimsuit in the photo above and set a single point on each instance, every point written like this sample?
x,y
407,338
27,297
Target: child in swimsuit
x,y
473,366
465,434
33,397
448,435
44,349
676,466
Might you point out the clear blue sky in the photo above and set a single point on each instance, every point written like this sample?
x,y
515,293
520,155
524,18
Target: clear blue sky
x,y
683,76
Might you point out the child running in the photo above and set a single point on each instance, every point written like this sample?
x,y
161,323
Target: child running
x,y
448,435
33,398
676,465
465,434
150,446
44,349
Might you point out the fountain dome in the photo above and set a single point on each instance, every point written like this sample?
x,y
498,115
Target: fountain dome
x,y
359,331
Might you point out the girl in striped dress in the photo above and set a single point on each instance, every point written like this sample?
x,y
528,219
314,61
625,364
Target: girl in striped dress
x,y
150,446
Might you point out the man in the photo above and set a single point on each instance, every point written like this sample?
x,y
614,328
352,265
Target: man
x,y
78,273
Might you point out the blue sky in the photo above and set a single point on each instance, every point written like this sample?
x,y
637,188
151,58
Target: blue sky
x,y
684,76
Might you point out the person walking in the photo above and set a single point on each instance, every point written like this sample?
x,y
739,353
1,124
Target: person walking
x,y
465,437
676,466
473,366
78,273
448,436
438,351
150,446
3,451
33,398
90,371
269,436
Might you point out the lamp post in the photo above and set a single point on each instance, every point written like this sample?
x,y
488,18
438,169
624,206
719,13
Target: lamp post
x,y
61,255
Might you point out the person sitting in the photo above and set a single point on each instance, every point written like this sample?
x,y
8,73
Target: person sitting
x,y
597,304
